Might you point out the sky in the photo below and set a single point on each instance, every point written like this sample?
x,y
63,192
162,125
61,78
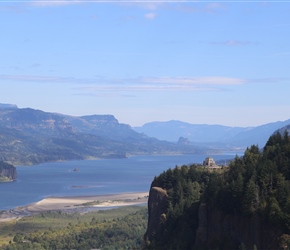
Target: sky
x,y
201,62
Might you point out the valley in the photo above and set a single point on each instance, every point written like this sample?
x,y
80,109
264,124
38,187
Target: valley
x,y
123,161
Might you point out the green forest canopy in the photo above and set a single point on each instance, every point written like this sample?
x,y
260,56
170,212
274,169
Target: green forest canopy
x,y
256,183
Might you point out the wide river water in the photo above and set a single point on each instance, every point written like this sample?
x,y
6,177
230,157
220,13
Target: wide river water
x,y
94,177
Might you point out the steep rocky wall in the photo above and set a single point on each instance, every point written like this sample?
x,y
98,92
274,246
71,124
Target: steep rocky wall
x,y
8,172
231,230
157,206
216,229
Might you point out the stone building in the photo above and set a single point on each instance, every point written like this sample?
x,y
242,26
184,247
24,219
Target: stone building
x,y
209,162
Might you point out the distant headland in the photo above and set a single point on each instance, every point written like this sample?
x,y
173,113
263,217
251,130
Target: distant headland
x,y
7,172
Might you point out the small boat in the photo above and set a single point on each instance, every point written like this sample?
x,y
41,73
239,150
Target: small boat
x,y
76,169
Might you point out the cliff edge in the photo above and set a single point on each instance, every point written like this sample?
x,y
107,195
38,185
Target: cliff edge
x,y
243,206
7,172
157,205
229,230
202,226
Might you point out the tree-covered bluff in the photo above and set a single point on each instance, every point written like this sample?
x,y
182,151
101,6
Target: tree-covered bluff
x,y
245,205
7,172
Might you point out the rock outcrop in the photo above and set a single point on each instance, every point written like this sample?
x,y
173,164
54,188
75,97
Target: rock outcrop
x,y
183,141
214,227
7,172
243,206
229,230
157,206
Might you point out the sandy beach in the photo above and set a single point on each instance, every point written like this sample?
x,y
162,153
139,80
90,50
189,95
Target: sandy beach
x,y
79,204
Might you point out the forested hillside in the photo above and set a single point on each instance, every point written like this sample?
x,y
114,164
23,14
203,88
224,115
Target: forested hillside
x,y
246,205
29,136
7,172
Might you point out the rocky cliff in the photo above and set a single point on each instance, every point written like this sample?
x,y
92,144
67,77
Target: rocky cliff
x,y
215,228
7,172
243,206
157,206
229,230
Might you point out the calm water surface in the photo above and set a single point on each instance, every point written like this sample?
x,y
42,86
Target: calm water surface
x,y
96,177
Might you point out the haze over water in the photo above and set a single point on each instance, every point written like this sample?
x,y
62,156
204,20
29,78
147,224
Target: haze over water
x,y
94,177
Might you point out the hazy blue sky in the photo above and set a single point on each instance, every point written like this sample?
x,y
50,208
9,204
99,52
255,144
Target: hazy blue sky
x,y
214,62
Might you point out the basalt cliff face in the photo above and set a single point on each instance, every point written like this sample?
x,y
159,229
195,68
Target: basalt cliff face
x,y
7,172
210,228
157,206
231,230
245,205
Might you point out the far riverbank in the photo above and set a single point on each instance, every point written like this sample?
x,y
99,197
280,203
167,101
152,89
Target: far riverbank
x,y
93,178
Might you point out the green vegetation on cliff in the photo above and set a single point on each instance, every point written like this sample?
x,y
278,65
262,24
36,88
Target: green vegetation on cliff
x,y
244,205
7,172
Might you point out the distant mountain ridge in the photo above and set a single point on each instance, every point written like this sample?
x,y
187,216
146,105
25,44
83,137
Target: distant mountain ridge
x,y
29,136
7,106
282,130
211,134
103,125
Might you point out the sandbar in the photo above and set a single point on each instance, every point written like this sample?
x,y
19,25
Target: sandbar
x,y
79,204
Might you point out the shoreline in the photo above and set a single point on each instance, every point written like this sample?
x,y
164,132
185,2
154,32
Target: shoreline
x,y
75,204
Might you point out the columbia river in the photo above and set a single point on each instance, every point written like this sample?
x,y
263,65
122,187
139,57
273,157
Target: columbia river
x,y
93,177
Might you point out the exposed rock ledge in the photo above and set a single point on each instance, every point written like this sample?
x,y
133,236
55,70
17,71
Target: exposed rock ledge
x,y
7,172
215,227
157,204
